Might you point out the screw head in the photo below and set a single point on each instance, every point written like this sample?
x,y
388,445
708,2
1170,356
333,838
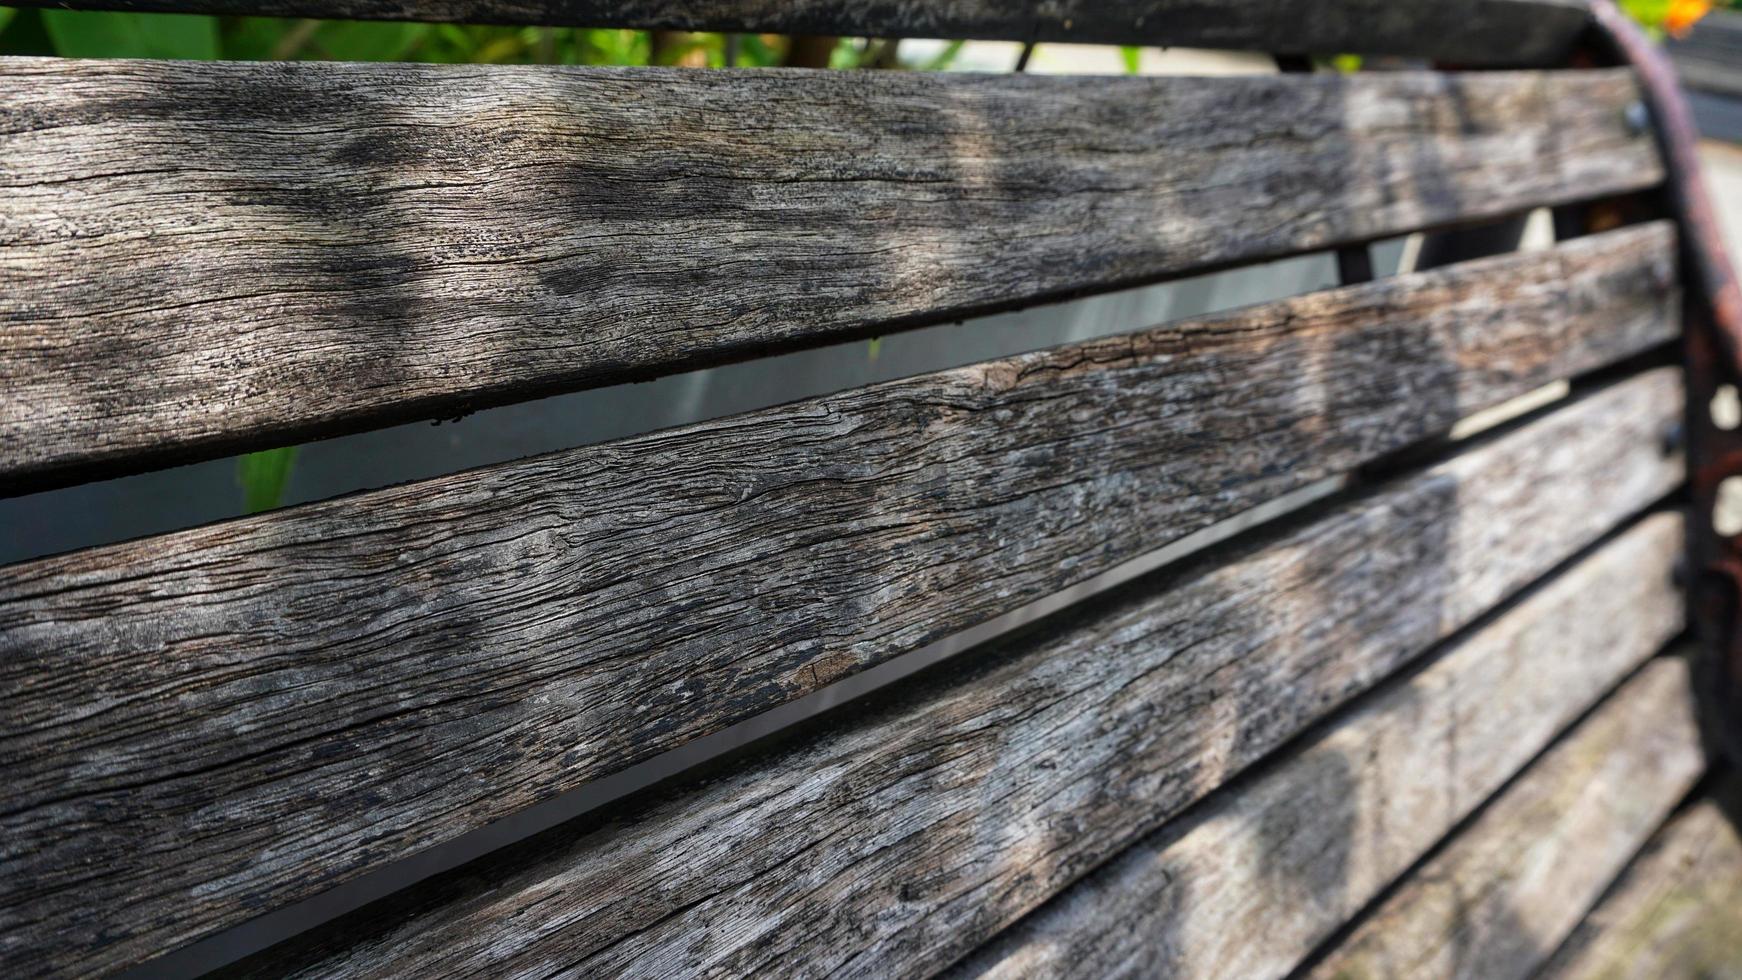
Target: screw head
x,y
1637,117
1675,437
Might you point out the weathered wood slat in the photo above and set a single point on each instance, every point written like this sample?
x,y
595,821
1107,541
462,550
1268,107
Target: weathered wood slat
x,y
1676,914
317,674
903,839
1250,884
1484,32
1507,890
191,251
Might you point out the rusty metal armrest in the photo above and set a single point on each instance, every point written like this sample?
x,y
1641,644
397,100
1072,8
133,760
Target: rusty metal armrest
x,y
1712,346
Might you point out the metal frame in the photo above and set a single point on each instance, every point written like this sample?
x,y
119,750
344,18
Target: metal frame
x,y
1712,346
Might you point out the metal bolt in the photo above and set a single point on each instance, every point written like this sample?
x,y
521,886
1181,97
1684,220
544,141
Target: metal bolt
x,y
1675,436
1638,118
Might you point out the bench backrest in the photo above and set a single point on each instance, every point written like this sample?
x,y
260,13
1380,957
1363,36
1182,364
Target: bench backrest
x,y
206,726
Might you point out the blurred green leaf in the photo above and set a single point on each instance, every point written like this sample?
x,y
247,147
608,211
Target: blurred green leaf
x,y
25,34
352,40
454,35
257,38
262,477
755,52
1133,58
609,47
6,15
102,34
846,53
1650,13
943,59
499,49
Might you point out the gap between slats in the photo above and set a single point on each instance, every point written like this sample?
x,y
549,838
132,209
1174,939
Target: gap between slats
x,y
162,501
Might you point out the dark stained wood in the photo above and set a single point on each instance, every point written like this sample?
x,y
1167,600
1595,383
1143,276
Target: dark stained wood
x,y
202,258
1677,911
905,837
1249,884
389,670
1507,890
1486,32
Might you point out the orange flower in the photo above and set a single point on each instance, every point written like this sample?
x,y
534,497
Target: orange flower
x,y
1683,14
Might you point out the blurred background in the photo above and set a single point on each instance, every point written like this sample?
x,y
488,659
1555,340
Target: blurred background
x,y
1707,53
1703,36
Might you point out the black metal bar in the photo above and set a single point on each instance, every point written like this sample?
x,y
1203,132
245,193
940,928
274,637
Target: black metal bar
x,y
1354,264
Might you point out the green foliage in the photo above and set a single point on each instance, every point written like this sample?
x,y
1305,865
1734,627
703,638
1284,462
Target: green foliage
x,y
262,477
1677,17
103,34
754,51
1650,13
847,54
1133,59
943,59
81,34
359,40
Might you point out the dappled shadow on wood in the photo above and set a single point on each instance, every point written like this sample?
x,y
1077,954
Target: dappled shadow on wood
x,y
411,241
903,836
384,673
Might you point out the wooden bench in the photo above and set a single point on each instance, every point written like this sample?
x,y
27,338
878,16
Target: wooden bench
x,y
1420,724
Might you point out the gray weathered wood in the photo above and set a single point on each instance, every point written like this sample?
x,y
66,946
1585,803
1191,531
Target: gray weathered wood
x,y
1249,884
1505,892
901,840
1676,914
1484,32
200,258
387,671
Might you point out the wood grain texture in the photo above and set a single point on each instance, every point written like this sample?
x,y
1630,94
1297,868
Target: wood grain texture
x,y
201,258
1505,892
1676,913
1249,884
906,837
316,673
1483,32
